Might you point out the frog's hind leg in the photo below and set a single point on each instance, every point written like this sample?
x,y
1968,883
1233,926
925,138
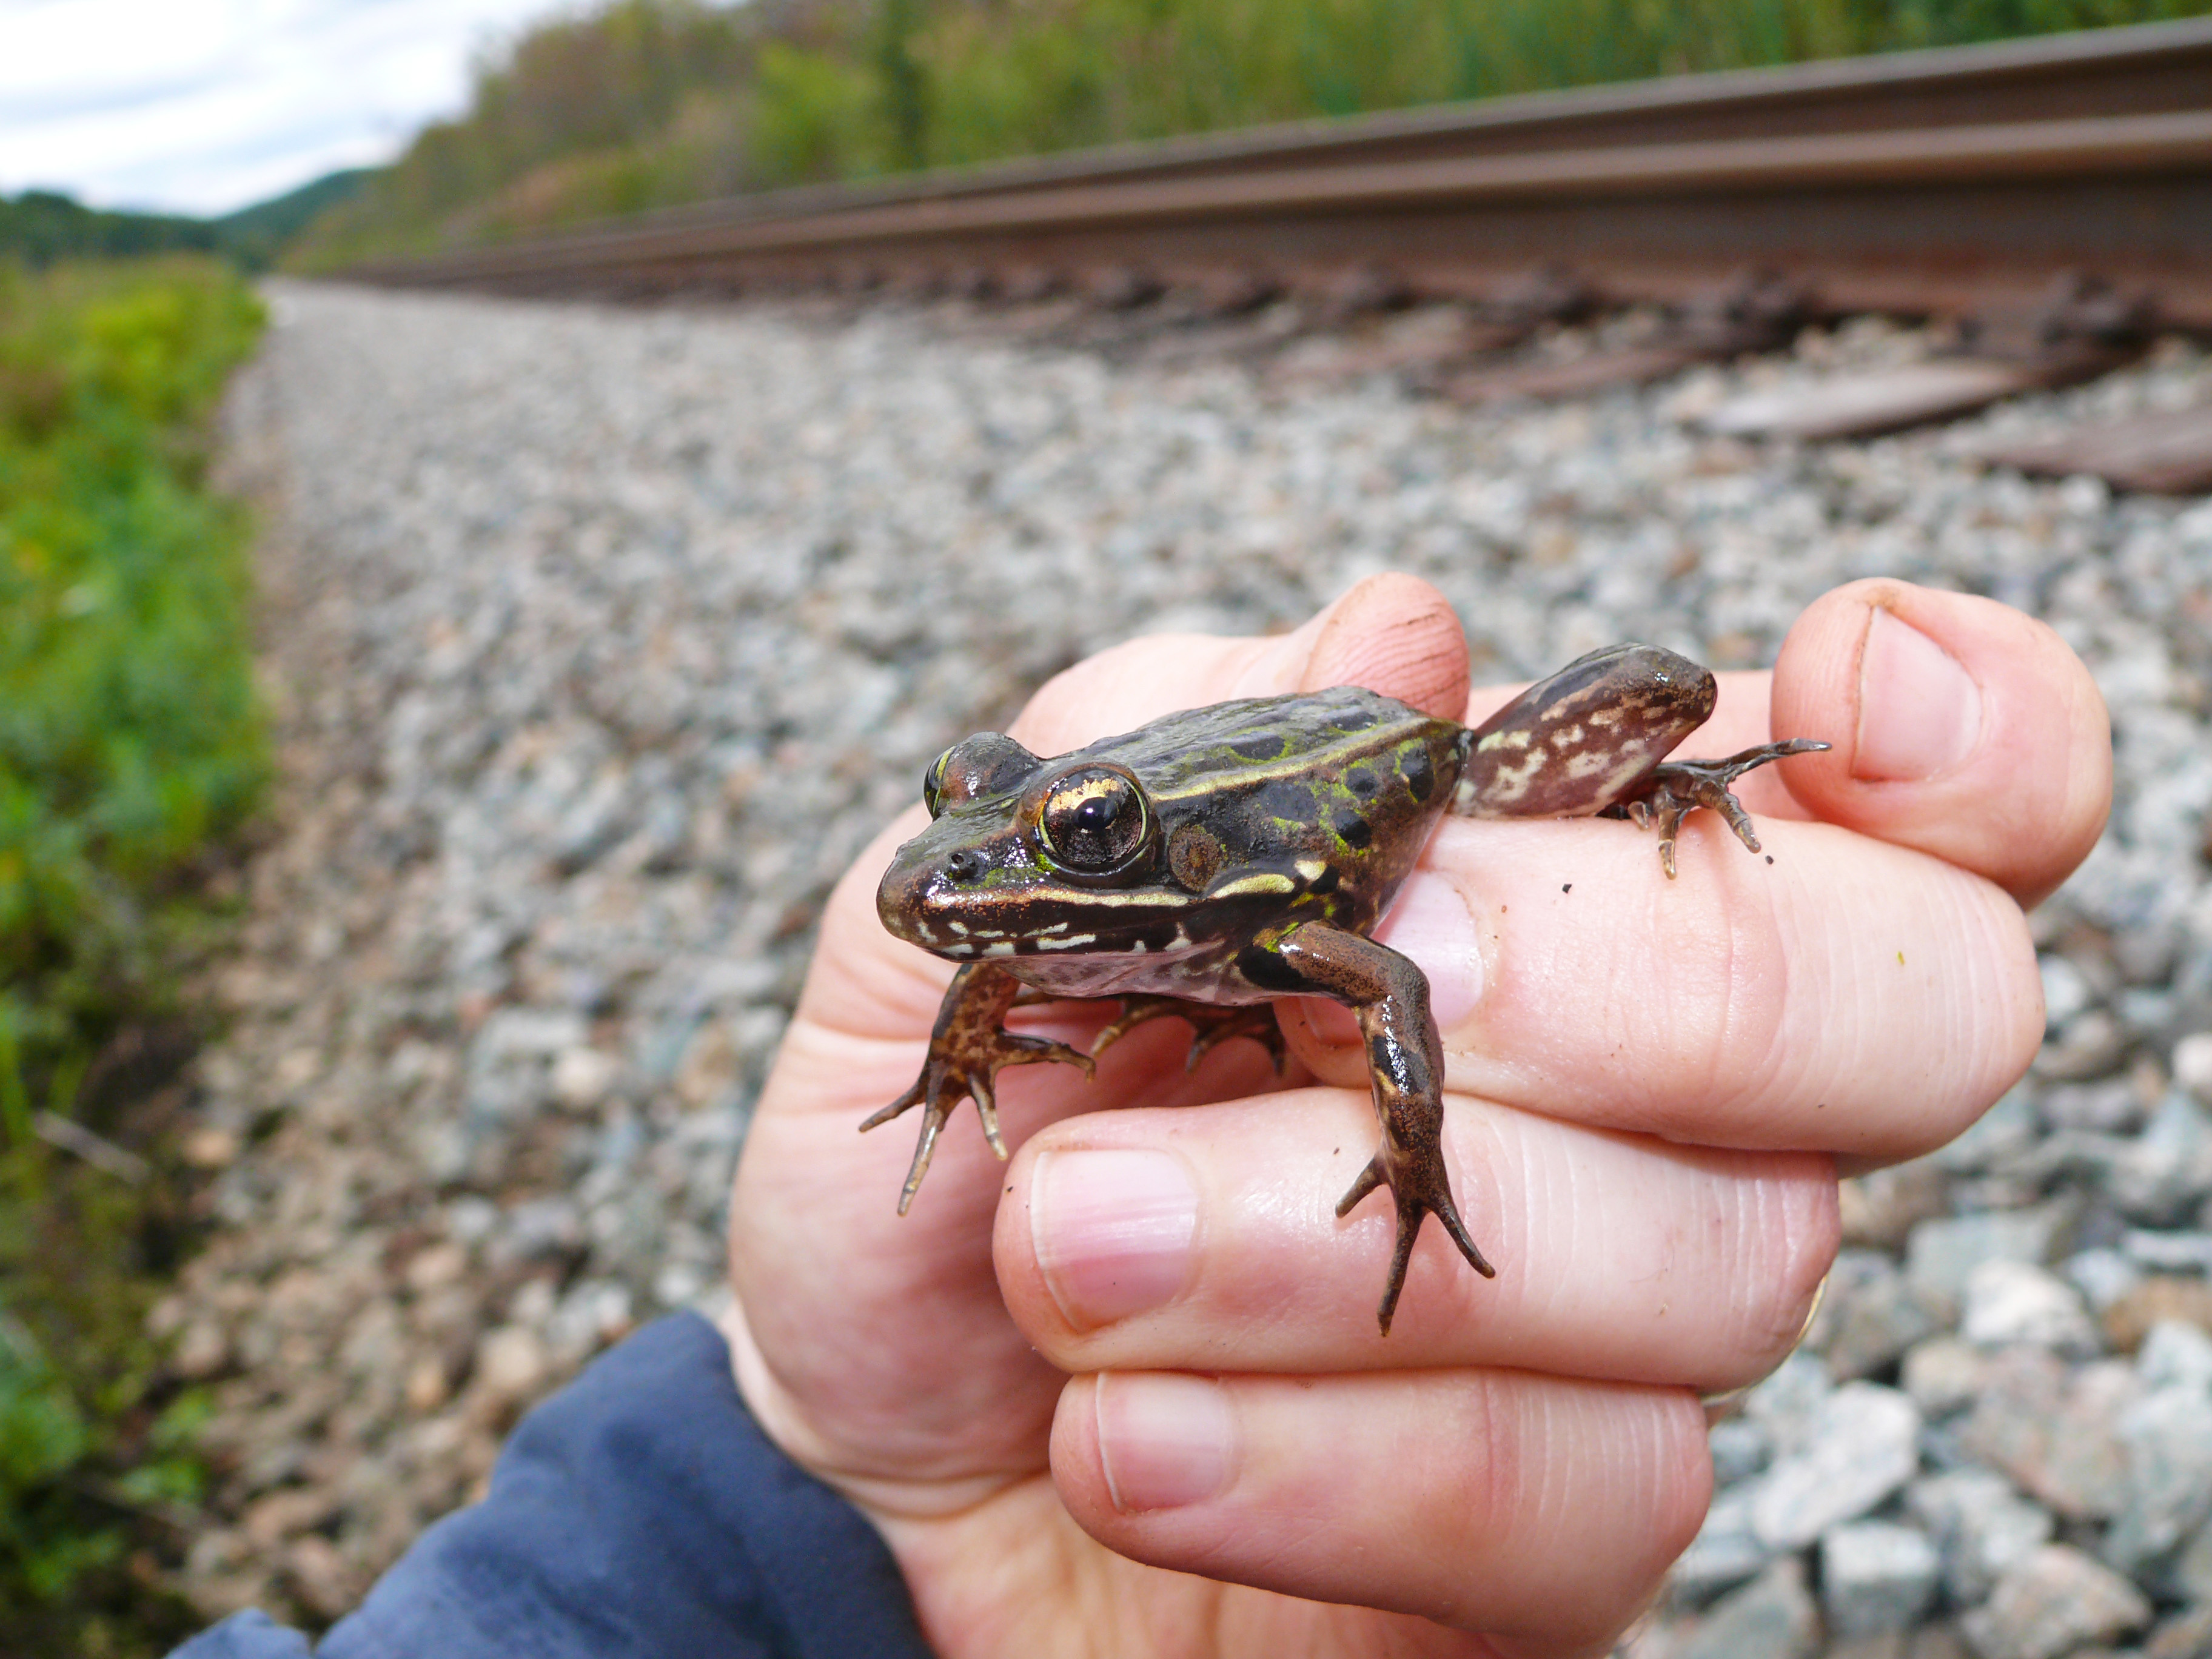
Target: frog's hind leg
x,y
1212,1024
1405,1064
967,1047
1677,788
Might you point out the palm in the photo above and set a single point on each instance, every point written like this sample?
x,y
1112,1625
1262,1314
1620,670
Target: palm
x,y
891,1346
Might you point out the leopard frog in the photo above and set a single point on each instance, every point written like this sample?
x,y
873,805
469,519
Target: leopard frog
x,y
1214,859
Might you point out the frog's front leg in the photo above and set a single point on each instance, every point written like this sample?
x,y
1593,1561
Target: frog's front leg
x,y
1211,1023
968,1045
1404,1060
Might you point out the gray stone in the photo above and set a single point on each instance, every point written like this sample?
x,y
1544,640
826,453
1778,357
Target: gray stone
x,y
2067,992
1862,1445
1739,1450
2164,1172
2090,1045
1942,1256
2186,1635
2112,1106
2006,1131
1787,1404
1870,1317
2008,1302
2103,1276
2055,1431
1771,1617
2056,1600
1981,1525
600,641
2176,1354
1725,1553
1943,1375
2192,1065
2169,1250
1875,1576
2168,1490
2190,1576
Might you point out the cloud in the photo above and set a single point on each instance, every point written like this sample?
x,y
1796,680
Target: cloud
x,y
205,105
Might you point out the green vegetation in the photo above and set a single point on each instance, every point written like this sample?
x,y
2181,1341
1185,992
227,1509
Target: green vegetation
x,y
652,103
129,747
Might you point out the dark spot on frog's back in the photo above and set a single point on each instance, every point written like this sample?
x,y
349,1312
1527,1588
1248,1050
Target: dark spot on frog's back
x,y
1362,782
1289,798
1418,772
1355,830
1352,719
1267,745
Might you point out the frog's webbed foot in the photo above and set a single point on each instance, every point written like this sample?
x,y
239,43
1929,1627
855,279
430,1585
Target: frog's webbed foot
x,y
1212,1024
1406,1068
1415,1175
967,1047
1677,788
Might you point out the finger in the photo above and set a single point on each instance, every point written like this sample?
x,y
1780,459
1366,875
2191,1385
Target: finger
x,y
1961,727
1392,634
1208,1239
1850,996
1538,1510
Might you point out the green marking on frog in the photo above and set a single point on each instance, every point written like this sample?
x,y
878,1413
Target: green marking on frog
x,y
1216,859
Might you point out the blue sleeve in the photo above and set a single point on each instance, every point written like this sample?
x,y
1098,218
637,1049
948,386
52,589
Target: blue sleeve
x,y
638,1514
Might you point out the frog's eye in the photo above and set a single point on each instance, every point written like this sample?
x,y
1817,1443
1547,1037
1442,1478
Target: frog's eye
x,y
988,763
1094,821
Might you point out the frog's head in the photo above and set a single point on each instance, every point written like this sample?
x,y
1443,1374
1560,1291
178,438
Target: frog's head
x,y
1017,848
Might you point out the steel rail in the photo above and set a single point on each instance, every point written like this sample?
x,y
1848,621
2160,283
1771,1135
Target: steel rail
x,y
1942,214
2138,70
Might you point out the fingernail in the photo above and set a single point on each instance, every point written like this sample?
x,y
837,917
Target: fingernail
x,y
1112,1230
1920,712
1165,1440
1430,923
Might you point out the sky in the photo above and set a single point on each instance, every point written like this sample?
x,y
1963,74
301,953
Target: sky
x,y
201,106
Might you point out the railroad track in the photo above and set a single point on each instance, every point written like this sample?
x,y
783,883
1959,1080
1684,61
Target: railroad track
x,y
2055,196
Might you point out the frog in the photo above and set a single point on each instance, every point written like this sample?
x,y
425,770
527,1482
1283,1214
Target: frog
x,y
1214,861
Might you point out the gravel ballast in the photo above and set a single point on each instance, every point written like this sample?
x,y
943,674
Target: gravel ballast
x,y
600,641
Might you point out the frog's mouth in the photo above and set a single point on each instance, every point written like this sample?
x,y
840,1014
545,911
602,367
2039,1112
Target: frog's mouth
x,y
962,903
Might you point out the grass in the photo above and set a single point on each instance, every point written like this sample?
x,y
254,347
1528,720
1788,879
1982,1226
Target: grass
x,y
129,748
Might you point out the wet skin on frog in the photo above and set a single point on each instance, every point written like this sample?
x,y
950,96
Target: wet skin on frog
x,y
1212,862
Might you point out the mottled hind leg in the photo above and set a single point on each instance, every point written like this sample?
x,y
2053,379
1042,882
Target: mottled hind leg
x,y
1677,788
1406,1066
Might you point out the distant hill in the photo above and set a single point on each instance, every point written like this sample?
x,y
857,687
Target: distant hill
x,y
42,226
258,234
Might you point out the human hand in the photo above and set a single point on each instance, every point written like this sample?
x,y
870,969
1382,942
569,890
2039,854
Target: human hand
x,y
1125,1395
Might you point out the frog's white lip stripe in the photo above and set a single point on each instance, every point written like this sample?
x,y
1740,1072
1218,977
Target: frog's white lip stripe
x,y
1074,943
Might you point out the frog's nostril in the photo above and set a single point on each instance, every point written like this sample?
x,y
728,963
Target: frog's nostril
x,y
965,864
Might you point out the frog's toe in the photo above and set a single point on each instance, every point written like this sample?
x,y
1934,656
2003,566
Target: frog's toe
x,y
1417,1194
1679,786
968,1066
1254,1020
